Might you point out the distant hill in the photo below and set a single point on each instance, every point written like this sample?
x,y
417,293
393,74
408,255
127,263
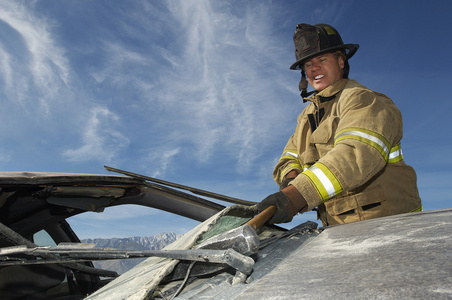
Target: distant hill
x,y
155,242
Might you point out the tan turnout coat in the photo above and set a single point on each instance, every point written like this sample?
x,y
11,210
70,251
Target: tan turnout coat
x,y
347,150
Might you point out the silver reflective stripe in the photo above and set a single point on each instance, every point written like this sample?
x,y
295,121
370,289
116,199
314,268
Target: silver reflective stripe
x,y
366,136
290,154
326,182
395,154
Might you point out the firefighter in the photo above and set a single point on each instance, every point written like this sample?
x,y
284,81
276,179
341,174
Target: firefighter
x,y
345,158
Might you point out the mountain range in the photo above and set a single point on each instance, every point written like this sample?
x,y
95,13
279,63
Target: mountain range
x,y
121,266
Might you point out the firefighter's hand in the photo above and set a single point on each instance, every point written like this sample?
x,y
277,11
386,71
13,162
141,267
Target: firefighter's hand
x,y
282,202
288,203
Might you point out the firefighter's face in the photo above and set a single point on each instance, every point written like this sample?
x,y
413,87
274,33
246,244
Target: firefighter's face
x,y
324,70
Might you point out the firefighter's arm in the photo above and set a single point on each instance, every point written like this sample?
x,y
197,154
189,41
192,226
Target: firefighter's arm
x,y
289,177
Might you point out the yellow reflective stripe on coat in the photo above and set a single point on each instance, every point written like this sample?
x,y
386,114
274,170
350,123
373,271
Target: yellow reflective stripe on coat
x,y
292,157
421,208
395,155
289,168
391,155
368,137
324,181
307,166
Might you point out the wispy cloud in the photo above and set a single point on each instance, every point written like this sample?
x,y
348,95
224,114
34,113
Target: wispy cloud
x,y
31,59
196,75
220,80
4,155
191,77
100,140
163,159
118,59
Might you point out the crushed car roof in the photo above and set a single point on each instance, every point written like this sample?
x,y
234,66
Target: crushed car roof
x,y
401,256
396,257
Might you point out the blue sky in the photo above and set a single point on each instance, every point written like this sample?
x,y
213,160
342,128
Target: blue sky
x,y
200,92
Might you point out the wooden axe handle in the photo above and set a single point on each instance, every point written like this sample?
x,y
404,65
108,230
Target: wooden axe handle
x,y
262,217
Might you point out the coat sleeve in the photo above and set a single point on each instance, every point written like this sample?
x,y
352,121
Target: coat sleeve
x,y
289,159
287,162
369,128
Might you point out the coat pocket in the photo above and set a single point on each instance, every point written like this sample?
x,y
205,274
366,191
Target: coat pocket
x,y
324,133
356,207
372,203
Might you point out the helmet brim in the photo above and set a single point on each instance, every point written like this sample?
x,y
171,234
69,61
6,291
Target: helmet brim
x,y
350,50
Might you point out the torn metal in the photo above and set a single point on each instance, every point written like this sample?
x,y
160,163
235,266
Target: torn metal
x,y
65,254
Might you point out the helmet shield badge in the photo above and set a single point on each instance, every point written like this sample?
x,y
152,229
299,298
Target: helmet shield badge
x,y
306,41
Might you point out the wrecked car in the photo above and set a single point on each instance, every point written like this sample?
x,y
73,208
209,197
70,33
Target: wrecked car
x,y
33,211
232,254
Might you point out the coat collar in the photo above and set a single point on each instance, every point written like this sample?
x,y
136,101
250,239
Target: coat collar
x,y
330,92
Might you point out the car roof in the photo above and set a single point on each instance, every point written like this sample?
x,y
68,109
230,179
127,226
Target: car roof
x,y
397,257
33,198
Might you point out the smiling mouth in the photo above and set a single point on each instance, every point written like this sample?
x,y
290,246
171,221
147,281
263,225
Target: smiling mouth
x,y
319,77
